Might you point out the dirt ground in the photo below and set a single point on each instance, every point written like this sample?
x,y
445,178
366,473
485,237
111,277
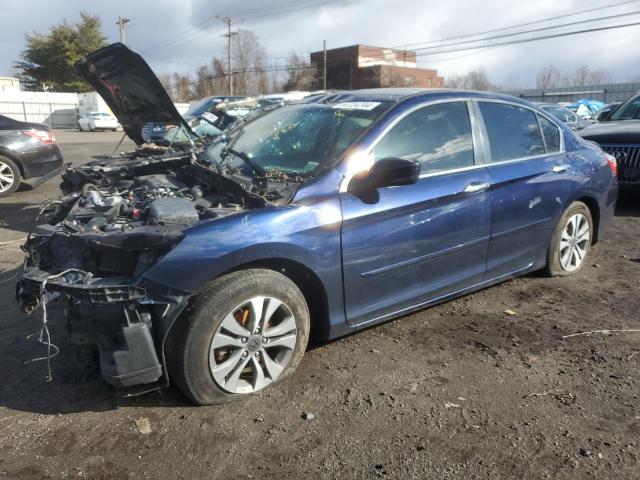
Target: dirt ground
x,y
461,390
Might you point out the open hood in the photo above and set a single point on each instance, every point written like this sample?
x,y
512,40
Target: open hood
x,y
130,88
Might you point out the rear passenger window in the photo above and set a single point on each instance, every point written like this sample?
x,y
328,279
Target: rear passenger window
x,y
437,136
513,131
551,135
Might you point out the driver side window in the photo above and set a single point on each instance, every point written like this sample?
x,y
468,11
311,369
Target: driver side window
x,y
437,136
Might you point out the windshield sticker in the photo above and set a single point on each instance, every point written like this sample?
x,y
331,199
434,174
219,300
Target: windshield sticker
x,y
209,116
356,105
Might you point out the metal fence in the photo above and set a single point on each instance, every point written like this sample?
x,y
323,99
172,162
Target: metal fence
x,y
53,114
610,92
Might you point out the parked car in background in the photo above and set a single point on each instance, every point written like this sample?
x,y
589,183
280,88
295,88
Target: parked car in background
x,y
97,121
620,136
285,97
160,132
208,104
318,219
566,116
28,151
605,114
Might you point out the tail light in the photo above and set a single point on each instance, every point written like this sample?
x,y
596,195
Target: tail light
x,y
43,136
613,163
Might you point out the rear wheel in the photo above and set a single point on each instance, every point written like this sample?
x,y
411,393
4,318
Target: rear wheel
x,y
245,331
10,176
570,242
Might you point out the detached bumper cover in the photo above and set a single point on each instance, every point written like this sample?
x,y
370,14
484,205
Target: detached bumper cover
x,y
128,354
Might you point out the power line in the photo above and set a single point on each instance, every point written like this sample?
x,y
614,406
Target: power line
x,y
196,31
526,24
534,30
460,49
427,49
424,45
534,39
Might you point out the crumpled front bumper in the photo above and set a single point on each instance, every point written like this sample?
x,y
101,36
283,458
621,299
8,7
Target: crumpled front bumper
x,y
114,314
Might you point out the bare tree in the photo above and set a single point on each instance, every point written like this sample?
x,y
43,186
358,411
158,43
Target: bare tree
x,y
548,77
554,77
219,77
203,86
182,85
248,63
167,82
299,73
473,80
599,77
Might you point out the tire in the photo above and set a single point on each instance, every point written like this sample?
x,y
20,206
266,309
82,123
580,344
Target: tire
x,y
214,373
10,177
569,248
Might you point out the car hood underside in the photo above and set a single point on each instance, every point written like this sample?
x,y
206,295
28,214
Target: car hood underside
x,y
130,88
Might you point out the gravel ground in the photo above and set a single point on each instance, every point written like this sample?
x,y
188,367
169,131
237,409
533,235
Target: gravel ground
x,y
461,390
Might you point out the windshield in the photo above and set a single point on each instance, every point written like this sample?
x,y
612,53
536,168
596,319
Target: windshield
x,y
206,105
562,114
200,126
628,111
303,138
201,107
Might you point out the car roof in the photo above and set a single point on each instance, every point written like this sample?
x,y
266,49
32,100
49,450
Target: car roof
x,y
544,104
402,94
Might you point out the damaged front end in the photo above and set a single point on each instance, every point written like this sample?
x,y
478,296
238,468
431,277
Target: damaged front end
x,y
120,215
97,244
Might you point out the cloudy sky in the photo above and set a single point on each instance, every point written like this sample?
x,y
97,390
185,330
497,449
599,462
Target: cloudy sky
x,y
178,35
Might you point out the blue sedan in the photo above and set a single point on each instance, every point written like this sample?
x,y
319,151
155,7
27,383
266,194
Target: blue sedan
x,y
418,197
393,200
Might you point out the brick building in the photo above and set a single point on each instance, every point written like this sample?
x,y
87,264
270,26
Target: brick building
x,y
361,66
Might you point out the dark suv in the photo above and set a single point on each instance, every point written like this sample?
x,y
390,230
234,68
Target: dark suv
x,y
620,136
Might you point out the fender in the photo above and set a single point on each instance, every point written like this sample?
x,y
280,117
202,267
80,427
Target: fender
x,y
306,232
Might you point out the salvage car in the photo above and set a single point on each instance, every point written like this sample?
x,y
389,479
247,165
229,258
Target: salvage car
x,y
568,117
619,135
28,151
212,267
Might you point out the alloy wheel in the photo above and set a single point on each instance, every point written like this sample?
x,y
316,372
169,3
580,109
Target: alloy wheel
x,y
574,242
253,345
7,178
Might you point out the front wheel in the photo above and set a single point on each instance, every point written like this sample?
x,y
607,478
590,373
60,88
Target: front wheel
x,y
244,332
570,242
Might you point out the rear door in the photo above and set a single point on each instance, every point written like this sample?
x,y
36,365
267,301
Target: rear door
x,y
530,180
407,245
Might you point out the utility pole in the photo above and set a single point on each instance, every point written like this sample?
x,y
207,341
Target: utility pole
x,y
229,21
324,69
122,21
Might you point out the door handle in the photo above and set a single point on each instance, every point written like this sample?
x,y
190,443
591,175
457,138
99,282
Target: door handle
x,y
559,169
475,187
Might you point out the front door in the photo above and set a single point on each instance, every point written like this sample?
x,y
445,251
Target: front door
x,y
407,245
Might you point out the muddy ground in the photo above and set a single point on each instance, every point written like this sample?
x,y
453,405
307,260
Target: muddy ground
x,y
461,390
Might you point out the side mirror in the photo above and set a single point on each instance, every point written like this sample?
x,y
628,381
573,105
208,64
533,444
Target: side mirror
x,y
388,172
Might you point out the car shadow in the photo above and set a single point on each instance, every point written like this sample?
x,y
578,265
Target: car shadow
x,y
628,204
19,217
